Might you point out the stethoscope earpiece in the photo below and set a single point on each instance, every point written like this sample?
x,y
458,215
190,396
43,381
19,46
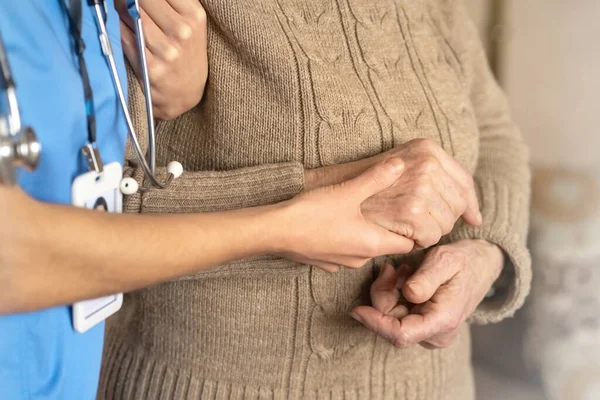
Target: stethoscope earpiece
x,y
129,186
175,168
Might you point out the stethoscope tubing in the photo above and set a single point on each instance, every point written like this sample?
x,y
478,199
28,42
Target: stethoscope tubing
x,y
148,166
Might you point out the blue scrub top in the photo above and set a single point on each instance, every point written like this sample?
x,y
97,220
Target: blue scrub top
x,y
41,356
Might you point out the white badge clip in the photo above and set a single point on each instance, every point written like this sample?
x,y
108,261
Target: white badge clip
x,y
98,189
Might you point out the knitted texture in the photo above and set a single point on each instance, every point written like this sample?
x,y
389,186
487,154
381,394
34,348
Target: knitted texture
x,y
298,84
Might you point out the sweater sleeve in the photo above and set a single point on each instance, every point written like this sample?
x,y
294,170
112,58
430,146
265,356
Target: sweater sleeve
x,y
502,180
204,191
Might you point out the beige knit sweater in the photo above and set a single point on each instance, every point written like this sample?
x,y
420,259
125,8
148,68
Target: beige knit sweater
x,y
298,84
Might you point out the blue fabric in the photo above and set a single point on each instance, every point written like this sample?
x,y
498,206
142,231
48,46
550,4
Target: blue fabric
x,y
41,356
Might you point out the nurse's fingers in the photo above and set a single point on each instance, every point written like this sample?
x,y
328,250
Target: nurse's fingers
x,y
156,40
186,7
168,20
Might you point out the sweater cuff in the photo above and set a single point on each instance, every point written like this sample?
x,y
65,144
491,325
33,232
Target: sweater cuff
x,y
505,220
209,191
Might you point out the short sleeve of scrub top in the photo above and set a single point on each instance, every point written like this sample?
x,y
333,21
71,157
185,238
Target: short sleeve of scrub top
x,y
41,356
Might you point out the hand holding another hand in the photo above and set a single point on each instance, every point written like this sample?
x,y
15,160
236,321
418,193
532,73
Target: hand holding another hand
x,y
426,201
332,231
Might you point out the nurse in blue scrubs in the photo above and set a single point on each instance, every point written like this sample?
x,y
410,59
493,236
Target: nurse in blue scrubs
x,y
41,355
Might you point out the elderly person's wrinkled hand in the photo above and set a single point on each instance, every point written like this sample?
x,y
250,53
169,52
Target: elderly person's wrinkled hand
x,y
175,33
430,305
427,200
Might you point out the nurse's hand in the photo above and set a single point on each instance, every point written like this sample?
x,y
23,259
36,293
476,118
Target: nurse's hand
x,y
175,33
326,228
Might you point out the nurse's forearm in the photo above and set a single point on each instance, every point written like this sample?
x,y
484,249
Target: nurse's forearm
x,y
51,254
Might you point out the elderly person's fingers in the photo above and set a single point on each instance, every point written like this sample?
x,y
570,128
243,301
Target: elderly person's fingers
x,y
472,215
442,315
386,326
435,321
443,208
385,290
438,267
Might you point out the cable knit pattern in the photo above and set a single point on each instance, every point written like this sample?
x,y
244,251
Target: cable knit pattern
x,y
298,84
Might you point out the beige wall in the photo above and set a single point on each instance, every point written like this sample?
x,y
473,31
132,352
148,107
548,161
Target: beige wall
x,y
551,72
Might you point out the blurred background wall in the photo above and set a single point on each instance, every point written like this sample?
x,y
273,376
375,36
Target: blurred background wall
x,y
547,57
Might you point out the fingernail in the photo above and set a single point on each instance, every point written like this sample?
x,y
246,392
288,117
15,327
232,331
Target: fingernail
x,y
357,317
414,287
384,268
396,163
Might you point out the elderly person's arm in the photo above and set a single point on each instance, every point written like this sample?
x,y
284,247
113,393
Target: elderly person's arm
x,y
503,184
452,281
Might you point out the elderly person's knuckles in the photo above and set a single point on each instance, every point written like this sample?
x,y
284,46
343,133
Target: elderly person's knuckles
x,y
447,223
460,204
423,186
429,235
417,224
449,257
412,208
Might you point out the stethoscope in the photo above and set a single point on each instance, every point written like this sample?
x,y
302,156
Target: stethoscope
x,y
174,168
19,146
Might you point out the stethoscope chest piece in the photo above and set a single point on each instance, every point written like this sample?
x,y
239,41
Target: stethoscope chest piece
x,y
19,146
20,149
